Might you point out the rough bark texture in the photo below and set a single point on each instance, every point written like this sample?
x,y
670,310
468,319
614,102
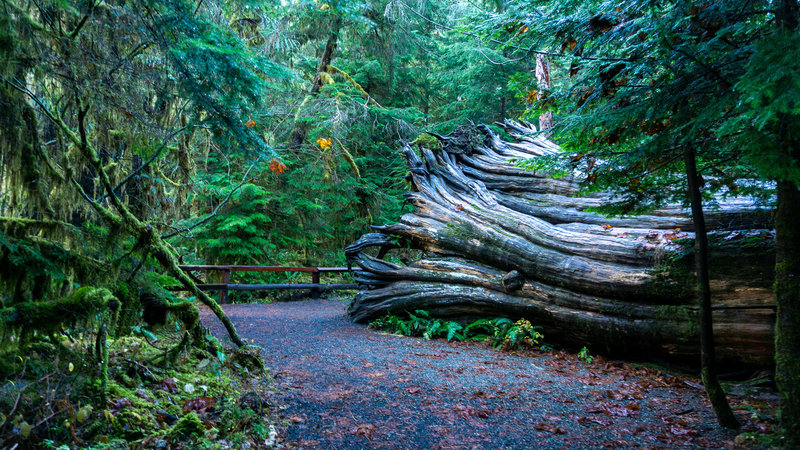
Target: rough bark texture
x,y
787,295
543,84
787,267
496,240
708,362
299,133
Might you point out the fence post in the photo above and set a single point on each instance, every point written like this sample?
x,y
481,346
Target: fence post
x,y
226,279
315,280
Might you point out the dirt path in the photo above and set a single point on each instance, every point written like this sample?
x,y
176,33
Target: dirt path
x,y
345,386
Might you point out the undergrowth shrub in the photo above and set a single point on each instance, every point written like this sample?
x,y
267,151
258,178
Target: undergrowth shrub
x,y
503,333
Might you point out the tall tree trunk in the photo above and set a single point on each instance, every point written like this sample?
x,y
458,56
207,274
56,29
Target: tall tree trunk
x,y
543,84
707,354
787,267
299,133
787,299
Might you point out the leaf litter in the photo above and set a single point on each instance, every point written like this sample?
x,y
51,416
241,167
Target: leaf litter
x,y
399,392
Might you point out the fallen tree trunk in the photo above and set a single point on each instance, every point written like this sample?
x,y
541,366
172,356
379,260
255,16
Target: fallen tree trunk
x,y
496,240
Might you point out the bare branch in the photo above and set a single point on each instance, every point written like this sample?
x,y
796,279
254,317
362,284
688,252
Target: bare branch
x,y
216,210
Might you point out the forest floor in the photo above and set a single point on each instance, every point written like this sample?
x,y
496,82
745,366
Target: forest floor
x,y
346,386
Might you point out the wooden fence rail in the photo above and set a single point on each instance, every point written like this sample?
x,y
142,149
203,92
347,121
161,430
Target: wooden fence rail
x,y
315,285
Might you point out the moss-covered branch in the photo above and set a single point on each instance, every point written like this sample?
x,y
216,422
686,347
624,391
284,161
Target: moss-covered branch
x,y
337,71
50,316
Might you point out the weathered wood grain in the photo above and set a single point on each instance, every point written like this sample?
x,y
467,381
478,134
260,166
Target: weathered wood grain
x,y
503,241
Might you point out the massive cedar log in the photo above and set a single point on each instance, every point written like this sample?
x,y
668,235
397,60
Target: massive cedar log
x,y
496,240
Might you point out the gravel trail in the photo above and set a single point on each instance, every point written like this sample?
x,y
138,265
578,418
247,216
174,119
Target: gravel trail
x,y
345,386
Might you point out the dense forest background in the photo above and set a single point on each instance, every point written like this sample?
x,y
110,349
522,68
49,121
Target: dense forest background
x,y
220,113
141,134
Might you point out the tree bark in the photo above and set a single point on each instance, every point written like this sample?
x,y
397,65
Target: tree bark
x,y
543,83
299,133
787,299
708,361
787,266
625,288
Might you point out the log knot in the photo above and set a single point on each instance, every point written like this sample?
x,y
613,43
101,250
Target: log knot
x,y
513,281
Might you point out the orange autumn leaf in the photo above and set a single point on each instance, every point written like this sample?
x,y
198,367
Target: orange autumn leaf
x,y
531,96
276,166
250,123
324,143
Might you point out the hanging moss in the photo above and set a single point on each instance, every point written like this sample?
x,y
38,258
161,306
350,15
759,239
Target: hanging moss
x,y
102,352
129,311
36,268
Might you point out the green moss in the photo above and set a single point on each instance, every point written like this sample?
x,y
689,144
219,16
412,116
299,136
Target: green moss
x,y
683,314
188,427
248,358
129,311
674,278
117,390
189,315
428,141
501,231
456,232
50,316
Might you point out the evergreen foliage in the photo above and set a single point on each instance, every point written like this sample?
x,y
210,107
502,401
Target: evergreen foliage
x,y
638,83
138,134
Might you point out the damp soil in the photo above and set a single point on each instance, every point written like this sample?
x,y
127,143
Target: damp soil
x,y
346,386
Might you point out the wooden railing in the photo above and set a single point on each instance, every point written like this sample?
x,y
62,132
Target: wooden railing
x,y
315,285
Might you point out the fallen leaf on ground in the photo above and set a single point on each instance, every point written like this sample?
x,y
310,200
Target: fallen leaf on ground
x,y
363,430
549,428
199,404
600,420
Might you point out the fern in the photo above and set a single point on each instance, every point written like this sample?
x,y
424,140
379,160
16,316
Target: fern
x,y
502,332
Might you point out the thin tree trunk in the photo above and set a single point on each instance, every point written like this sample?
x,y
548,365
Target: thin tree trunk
x,y
299,133
714,391
543,84
787,268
